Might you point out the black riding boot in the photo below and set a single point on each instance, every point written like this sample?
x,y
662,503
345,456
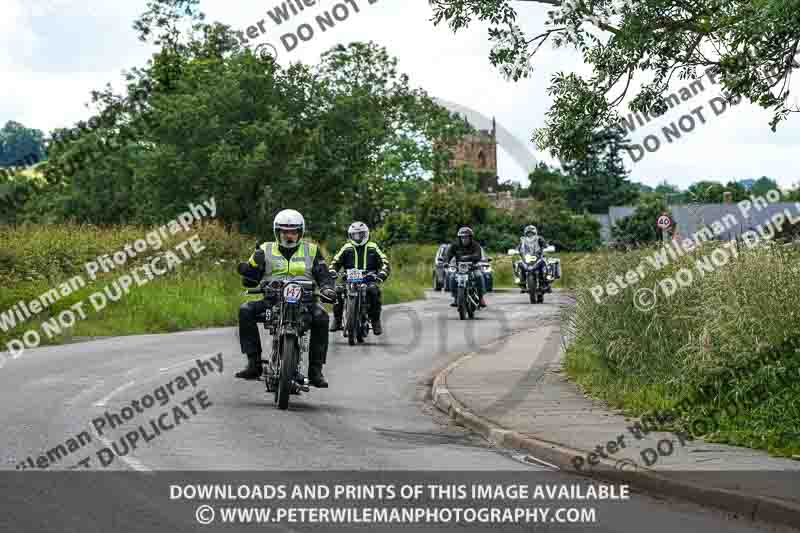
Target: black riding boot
x,y
338,311
253,368
315,376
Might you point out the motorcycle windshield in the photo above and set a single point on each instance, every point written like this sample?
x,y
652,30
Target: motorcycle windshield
x,y
530,247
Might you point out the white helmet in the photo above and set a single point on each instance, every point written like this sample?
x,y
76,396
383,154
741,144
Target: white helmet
x,y
288,219
358,233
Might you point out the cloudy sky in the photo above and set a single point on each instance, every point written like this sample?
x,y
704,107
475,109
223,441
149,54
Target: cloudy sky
x,y
54,52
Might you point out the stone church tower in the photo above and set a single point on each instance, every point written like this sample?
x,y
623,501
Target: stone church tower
x,y
479,153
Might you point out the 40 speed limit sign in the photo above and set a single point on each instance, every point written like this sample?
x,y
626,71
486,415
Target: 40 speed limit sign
x,y
663,221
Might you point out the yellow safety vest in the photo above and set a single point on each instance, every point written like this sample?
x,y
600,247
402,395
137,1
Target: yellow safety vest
x,y
277,267
369,246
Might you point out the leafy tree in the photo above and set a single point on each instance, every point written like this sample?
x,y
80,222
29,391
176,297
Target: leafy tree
x,y
514,187
546,183
20,146
763,185
599,178
499,232
640,227
706,192
667,188
640,47
737,190
346,139
397,228
443,211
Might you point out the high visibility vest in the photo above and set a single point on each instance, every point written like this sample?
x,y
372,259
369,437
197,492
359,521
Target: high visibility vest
x,y
301,263
363,263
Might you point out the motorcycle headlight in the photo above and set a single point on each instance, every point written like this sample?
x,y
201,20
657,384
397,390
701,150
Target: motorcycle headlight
x,y
452,269
487,269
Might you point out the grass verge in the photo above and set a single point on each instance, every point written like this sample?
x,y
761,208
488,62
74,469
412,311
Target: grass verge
x,y
724,349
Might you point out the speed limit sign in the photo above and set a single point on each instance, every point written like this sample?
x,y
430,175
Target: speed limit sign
x,y
663,221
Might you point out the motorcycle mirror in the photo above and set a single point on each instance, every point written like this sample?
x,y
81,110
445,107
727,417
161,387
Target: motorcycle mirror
x,y
513,252
550,248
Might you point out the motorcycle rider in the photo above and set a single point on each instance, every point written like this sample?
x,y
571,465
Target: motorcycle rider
x,y
531,243
359,252
289,255
466,249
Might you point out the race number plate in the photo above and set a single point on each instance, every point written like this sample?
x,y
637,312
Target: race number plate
x,y
292,293
355,276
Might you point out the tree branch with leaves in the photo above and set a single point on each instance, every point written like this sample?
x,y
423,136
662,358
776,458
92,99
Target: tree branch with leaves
x,y
635,48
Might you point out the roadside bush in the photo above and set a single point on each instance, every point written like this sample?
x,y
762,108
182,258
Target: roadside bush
x,y
397,228
561,227
441,213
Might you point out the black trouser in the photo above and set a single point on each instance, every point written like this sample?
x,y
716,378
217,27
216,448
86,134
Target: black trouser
x,y
249,313
374,304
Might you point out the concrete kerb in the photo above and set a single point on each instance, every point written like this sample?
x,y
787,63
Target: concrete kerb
x,y
646,480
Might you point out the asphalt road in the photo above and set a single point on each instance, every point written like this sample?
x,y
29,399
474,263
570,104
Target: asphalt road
x,y
375,416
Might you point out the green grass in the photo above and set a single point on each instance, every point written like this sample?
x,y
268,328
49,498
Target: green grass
x,y
732,337
203,292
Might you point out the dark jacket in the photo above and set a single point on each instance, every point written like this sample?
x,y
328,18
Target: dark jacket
x,y
471,253
319,270
352,256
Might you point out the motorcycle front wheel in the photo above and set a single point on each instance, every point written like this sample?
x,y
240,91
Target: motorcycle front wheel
x,y
288,371
352,321
533,288
461,300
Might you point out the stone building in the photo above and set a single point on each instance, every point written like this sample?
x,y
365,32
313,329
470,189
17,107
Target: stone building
x,y
478,152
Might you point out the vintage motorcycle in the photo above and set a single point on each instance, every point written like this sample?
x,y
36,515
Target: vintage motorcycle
x,y
467,299
357,325
288,322
535,273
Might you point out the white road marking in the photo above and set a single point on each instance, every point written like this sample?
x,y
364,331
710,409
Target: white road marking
x,y
85,392
531,459
130,461
192,360
102,402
